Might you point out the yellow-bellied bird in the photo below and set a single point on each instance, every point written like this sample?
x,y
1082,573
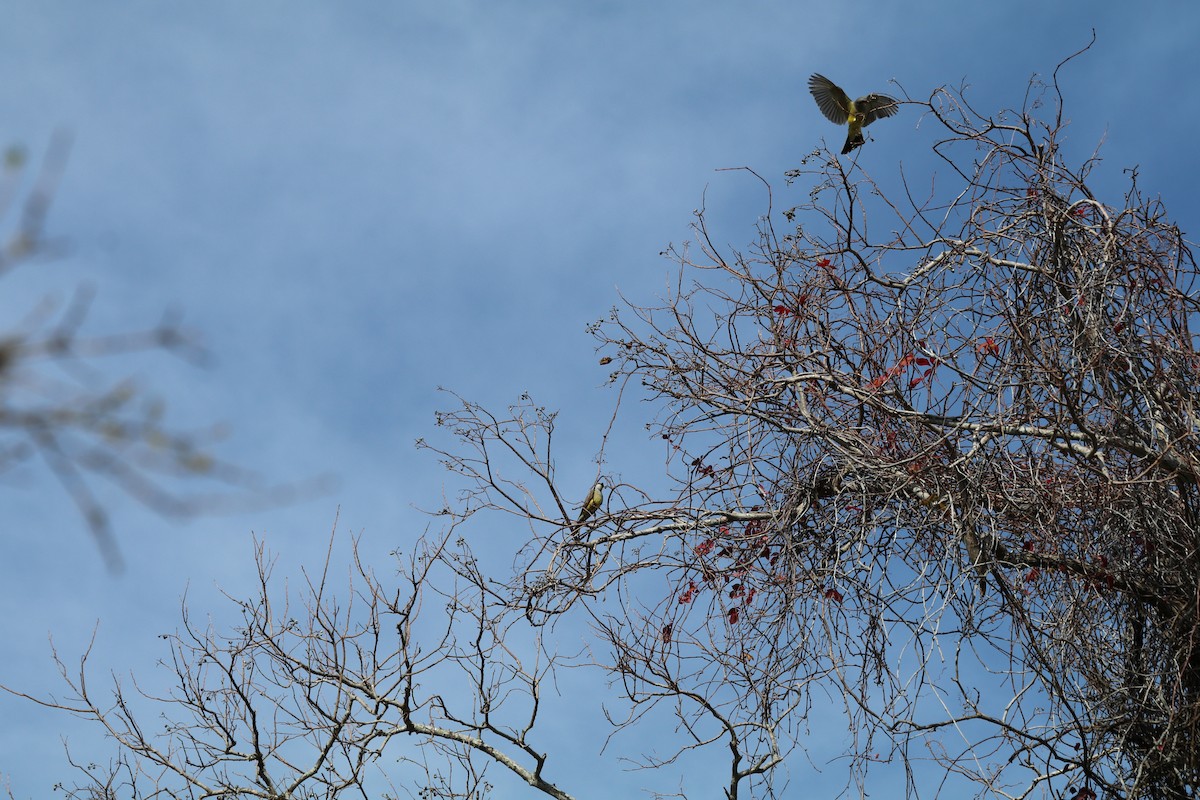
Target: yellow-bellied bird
x,y
839,109
591,503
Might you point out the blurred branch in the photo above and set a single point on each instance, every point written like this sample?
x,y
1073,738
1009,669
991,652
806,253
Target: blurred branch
x,y
61,402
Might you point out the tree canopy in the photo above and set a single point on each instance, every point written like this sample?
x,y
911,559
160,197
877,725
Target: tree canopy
x,y
931,450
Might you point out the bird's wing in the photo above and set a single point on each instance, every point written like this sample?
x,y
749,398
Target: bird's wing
x,y
833,102
876,106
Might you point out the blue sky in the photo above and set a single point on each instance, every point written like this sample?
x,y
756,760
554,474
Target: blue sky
x,y
357,203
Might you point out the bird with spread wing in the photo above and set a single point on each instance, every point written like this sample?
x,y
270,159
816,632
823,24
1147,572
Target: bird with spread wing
x,y
838,108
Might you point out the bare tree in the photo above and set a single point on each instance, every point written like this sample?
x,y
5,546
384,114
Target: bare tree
x,y
62,405
931,451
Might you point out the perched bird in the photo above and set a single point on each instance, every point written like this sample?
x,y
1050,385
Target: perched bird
x,y
839,109
591,503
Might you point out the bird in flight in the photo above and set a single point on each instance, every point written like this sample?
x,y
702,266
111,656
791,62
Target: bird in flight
x,y
591,503
839,109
